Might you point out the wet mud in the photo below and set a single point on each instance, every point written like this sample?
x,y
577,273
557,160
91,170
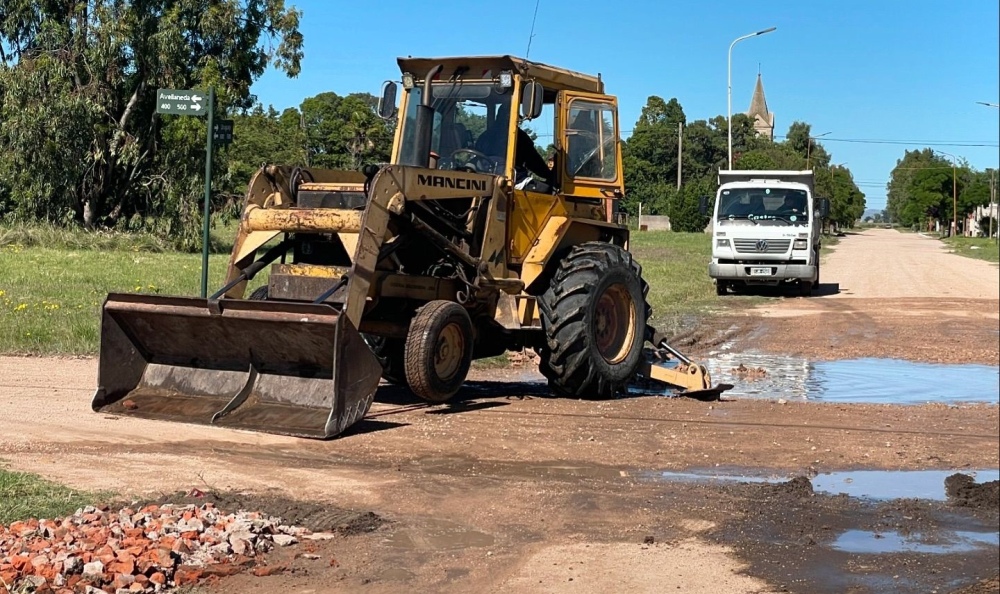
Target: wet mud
x,y
315,516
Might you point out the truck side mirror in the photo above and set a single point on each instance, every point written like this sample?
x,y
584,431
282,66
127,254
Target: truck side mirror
x,y
824,208
703,205
532,98
387,102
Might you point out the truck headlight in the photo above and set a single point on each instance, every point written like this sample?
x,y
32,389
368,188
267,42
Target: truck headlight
x,y
800,244
722,243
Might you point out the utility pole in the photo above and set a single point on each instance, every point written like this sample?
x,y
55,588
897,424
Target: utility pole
x,y
680,143
993,201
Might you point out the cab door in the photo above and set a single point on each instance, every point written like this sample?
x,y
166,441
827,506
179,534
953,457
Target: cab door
x,y
591,163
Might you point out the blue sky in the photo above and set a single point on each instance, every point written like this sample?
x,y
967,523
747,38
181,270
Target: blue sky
x,y
888,70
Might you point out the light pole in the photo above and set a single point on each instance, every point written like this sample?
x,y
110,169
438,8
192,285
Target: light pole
x,y
954,192
729,94
810,144
988,104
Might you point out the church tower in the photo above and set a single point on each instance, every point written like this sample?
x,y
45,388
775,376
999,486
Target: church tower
x,y
763,120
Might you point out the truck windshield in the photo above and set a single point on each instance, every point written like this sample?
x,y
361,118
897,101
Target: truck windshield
x,y
471,125
764,204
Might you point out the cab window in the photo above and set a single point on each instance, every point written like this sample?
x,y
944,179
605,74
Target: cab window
x,y
591,141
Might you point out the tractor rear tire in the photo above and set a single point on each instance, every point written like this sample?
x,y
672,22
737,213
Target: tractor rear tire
x,y
594,315
438,350
390,353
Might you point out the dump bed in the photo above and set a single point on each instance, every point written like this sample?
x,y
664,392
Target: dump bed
x,y
799,177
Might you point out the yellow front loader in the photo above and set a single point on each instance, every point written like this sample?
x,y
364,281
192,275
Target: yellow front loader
x,y
466,245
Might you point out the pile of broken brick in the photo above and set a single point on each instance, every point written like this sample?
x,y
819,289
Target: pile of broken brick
x,y
142,550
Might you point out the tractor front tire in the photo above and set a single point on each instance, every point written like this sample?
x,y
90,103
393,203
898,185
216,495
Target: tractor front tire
x,y
594,315
438,350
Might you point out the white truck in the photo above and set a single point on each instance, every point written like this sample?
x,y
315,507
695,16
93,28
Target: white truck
x,y
766,229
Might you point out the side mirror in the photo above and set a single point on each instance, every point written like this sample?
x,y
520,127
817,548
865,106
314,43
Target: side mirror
x,y
824,208
532,98
387,102
703,205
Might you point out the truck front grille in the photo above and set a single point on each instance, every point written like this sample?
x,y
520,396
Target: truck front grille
x,y
761,246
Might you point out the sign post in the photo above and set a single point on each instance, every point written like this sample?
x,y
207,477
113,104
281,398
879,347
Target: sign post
x,y
195,103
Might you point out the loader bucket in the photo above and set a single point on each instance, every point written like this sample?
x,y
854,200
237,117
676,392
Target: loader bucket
x,y
280,367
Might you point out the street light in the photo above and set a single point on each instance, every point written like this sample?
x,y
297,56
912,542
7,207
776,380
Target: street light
x,y
988,104
810,144
954,192
729,95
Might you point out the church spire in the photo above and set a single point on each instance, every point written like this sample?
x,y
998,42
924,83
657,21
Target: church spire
x,y
758,105
763,120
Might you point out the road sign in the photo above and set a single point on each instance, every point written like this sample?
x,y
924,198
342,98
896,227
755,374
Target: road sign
x,y
199,103
222,131
180,102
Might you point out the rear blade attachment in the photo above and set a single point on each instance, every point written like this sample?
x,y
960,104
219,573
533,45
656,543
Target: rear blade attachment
x,y
278,367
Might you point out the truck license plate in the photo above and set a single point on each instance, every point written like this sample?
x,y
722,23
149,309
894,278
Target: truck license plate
x,y
760,272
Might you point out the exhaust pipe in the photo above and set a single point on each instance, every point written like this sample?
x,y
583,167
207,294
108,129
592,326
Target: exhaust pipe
x,y
424,123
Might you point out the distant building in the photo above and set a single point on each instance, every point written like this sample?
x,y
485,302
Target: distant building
x,y
763,120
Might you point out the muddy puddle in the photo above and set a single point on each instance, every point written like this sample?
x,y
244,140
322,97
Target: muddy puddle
x,y
941,543
438,535
877,381
865,484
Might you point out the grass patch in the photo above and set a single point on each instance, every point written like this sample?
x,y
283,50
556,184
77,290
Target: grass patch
x,y
50,299
676,267
981,248
827,243
501,361
221,236
24,495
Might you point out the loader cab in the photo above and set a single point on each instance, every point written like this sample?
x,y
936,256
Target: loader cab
x,y
469,130
484,110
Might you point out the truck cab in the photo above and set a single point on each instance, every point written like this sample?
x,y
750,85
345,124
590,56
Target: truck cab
x,y
766,228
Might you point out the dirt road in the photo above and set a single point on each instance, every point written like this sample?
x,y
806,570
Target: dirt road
x,y
509,490
882,294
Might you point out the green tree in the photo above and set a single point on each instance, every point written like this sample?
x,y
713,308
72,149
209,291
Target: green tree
x,y
78,82
344,132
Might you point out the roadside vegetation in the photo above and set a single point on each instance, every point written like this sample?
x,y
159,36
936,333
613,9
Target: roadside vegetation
x,y
24,495
54,281
981,248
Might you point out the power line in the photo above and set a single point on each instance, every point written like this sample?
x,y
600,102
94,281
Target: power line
x,y
531,35
958,143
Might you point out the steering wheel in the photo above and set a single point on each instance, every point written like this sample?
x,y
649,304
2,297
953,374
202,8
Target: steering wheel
x,y
476,162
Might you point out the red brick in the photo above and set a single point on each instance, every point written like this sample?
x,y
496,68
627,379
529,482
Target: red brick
x,y
137,588
186,574
127,567
141,579
221,570
20,562
158,578
123,580
267,570
244,561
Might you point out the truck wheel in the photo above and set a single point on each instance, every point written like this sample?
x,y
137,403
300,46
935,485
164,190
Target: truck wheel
x,y
805,288
438,350
594,315
390,353
259,294
721,287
